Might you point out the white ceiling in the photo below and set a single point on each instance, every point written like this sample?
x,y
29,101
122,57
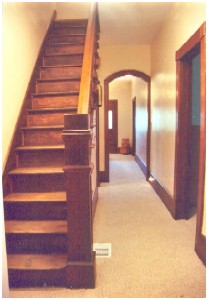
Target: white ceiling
x,y
131,22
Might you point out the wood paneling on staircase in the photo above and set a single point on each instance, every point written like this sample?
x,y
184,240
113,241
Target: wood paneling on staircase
x,y
36,207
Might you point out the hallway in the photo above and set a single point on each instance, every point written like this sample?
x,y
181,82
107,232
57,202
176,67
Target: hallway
x,y
152,255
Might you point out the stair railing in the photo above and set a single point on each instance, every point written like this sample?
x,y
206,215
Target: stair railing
x,y
89,62
81,160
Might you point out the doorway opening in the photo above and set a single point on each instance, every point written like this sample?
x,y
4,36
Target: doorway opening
x,y
121,87
190,158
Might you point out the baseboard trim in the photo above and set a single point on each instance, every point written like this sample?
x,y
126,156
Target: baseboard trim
x,y
141,164
103,176
200,248
166,198
94,202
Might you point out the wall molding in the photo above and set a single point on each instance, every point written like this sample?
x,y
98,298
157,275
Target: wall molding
x,y
103,176
141,164
200,248
164,195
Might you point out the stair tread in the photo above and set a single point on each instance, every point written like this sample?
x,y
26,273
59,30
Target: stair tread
x,y
36,170
64,54
29,227
20,197
62,66
68,34
36,261
59,79
46,147
47,109
66,44
56,93
43,127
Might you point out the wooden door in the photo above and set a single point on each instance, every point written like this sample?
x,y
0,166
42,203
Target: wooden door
x,y
113,126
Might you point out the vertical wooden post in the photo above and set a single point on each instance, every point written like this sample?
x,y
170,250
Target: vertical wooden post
x,y
80,269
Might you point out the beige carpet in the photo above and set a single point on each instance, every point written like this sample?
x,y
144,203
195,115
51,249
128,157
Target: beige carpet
x,y
152,255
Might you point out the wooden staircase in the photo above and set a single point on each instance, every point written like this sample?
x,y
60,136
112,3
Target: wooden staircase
x,y
35,208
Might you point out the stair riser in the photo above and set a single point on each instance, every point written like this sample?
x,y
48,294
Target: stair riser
x,y
45,119
69,49
62,60
36,243
60,72
44,137
69,23
38,183
36,278
69,30
53,39
65,86
58,101
35,210
40,158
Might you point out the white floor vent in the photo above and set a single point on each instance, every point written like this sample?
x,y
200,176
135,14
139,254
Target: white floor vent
x,y
102,249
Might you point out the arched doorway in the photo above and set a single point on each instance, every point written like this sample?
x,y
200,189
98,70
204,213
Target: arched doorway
x,y
107,81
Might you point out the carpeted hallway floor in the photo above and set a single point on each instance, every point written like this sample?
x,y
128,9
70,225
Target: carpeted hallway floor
x,y
152,255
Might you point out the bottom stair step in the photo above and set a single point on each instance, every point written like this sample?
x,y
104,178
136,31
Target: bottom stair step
x,y
36,236
35,206
41,270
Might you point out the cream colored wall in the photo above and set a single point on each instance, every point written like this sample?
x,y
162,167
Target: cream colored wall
x,y
121,90
115,58
72,10
183,21
24,27
140,91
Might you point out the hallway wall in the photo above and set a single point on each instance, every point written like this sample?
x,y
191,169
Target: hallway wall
x,y
140,91
183,21
24,27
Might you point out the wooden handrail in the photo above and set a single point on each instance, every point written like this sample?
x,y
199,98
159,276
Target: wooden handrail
x,y
88,61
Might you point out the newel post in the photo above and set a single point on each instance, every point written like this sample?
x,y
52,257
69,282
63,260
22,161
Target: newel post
x,y
80,268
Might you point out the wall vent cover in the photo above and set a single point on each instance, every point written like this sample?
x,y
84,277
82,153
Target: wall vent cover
x,y
102,249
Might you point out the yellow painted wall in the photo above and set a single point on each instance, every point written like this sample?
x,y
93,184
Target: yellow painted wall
x,y
24,27
140,91
121,90
183,21
73,10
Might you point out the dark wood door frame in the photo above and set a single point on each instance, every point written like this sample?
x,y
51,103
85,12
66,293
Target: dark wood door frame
x,y
196,44
113,105
146,78
134,126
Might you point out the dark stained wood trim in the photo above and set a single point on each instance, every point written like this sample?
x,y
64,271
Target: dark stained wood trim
x,y
94,202
21,121
114,103
103,176
202,155
107,80
164,195
200,248
196,44
141,164
134,126
192,42
81,204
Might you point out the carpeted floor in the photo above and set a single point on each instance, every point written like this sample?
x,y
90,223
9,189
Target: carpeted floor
x,y
152,255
